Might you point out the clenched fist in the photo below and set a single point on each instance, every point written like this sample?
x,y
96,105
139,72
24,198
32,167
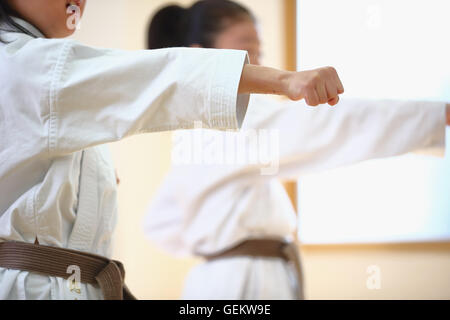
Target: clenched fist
x,y
317,86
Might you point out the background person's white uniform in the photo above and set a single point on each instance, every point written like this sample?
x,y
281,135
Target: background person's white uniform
x,y
59,102
203,209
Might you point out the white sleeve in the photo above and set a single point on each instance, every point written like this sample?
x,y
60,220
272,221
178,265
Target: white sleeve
x,y
101,95
312,139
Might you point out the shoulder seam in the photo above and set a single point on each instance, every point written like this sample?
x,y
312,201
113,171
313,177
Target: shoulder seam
x,y
53,92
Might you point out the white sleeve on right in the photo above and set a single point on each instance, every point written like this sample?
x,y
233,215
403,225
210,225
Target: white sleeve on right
x,y
312,139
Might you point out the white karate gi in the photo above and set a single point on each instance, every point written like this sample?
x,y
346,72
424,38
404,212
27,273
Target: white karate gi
x,y
203,209
60,101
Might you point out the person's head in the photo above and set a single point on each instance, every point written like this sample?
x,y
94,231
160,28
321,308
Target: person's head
x,y
49,16
220,24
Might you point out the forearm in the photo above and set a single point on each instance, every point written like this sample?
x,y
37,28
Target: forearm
x,y
264,80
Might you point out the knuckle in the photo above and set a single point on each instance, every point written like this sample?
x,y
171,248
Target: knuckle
x,y
331,69
317,74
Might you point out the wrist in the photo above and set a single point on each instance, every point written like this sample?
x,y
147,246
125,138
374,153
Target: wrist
x,y
284,80
259,79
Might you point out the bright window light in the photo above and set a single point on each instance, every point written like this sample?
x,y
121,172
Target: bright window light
x,y
397,49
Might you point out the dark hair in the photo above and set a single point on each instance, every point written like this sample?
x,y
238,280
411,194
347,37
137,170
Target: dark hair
x,y
7,23
175,26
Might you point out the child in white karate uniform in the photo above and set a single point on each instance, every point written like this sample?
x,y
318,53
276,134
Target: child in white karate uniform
x,y
61,101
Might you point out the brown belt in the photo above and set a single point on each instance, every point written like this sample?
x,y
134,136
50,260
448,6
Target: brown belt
x,y
54,262
267,248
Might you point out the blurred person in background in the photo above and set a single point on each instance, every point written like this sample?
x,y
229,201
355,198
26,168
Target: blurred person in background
x,y
237,215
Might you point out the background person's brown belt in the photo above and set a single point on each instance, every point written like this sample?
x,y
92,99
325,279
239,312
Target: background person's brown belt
x,y
53,261
267,248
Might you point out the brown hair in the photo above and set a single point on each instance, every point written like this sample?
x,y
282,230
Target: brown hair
x,y
7,23
175,26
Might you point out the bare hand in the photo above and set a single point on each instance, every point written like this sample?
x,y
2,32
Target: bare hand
x,y
317,86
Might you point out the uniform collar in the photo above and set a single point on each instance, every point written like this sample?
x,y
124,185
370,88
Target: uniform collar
x,y
24,24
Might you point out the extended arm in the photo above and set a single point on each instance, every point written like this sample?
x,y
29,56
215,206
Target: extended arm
x,y
100,95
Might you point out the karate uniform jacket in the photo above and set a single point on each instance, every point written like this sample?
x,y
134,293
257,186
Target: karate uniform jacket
x,y
60,102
